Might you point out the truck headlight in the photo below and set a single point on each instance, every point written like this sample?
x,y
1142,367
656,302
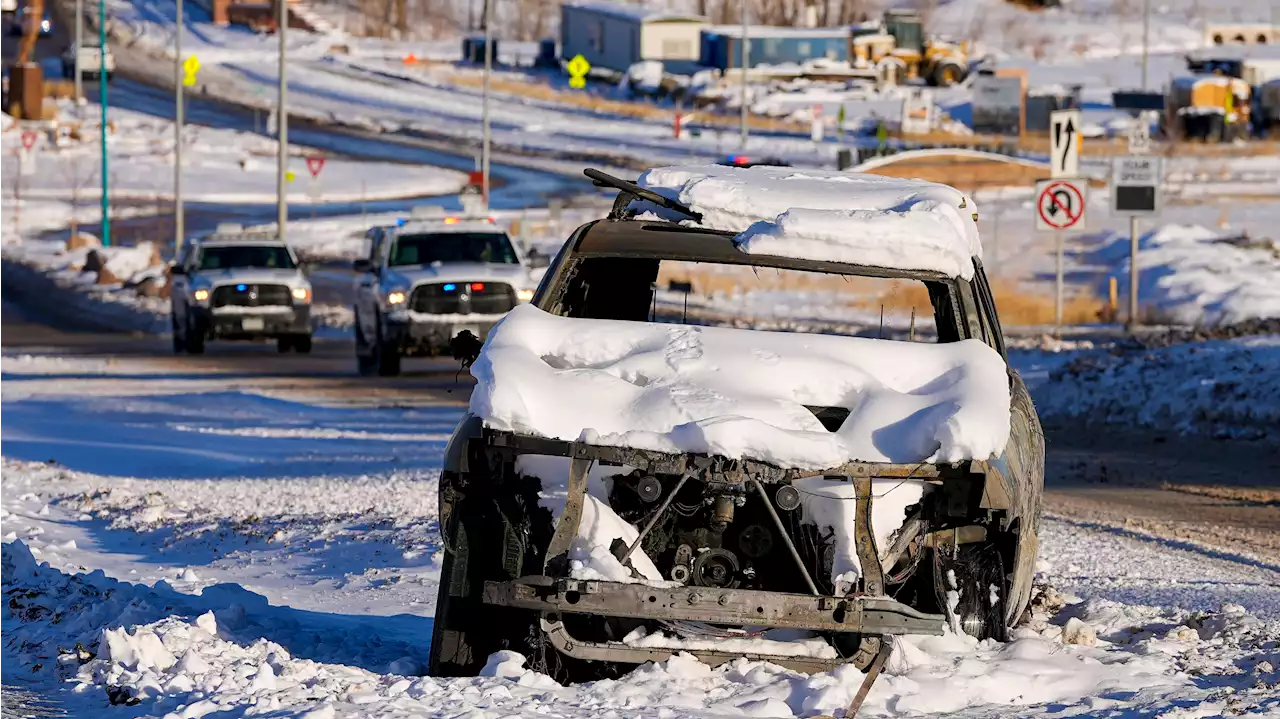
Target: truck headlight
x,y
301,295
395,298
524,295
200,295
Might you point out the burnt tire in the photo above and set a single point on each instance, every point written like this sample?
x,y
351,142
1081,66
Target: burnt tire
x,y
479,545
284,344
976,573
302,344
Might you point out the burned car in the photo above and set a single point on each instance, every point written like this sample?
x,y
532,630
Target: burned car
x,y
641,473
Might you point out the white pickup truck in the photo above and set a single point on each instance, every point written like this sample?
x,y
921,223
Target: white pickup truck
x,y
91,60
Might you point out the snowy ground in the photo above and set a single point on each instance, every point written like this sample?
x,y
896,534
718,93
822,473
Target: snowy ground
x,y
219,166
272,552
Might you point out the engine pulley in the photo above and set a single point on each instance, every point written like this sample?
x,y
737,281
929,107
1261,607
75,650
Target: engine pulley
x,y
716,568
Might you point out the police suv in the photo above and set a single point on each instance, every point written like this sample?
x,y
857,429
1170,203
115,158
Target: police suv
x,y
233,285
428,279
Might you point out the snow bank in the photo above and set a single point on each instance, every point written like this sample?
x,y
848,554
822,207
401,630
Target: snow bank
x,y
740,393
831,505
1191,275
1221,388
835,216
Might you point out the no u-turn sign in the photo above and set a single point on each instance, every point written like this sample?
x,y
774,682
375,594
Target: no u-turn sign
x,y
1061,204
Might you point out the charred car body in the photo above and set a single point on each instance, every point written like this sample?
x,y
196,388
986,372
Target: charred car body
x,y
723,543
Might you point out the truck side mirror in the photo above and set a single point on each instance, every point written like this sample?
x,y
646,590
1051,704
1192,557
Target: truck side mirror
x,y
362,266
177,270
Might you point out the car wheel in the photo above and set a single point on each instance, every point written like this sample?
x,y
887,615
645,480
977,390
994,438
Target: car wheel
x,y
179,341
194,339
302,344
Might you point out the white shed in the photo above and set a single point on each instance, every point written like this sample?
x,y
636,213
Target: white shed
x,y
615,35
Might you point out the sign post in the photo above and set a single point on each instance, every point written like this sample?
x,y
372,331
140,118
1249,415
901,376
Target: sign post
x,y
1135,191
315,163
1064,144
1060,207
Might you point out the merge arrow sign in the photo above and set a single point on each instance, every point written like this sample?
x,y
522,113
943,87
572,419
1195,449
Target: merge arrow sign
x,y
1064,141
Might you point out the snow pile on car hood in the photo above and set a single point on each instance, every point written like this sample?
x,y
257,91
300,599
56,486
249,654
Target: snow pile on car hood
x,y
741,393
833,216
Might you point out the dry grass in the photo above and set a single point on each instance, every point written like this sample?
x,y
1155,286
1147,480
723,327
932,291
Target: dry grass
x,y
537,90
1017,305
1039,143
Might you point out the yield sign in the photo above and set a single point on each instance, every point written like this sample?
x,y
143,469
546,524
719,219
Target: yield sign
x,y
315,164
1060,204
28,139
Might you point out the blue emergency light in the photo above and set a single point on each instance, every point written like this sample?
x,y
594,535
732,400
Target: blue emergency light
x,y
450,287
242,288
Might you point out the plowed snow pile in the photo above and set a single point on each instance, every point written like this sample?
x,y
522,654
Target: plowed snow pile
x,y
165,652
741,393
833,216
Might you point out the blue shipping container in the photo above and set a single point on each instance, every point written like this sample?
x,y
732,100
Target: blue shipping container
x,y
722,49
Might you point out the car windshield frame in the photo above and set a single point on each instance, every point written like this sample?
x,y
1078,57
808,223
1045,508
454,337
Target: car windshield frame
x,y
243,251
457,244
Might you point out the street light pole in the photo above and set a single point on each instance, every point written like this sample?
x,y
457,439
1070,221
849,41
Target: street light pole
x,y
1146,34
488,69
282,125
102,134
79,45
746,48
179,221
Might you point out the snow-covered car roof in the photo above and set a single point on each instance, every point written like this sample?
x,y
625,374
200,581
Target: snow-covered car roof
x,y
741,393
847,217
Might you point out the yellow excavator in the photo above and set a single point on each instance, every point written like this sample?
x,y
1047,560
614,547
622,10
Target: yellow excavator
x,y
897,47
26,84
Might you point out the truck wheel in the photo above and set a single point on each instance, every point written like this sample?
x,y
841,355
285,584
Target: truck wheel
x,y
284,343
386,356
179,342
947,74
365,363
194,339
302,344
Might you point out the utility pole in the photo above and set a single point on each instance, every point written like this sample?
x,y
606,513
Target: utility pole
x,y
1133,272
179,221
484,111
282,125
1146,35
79,44
102,134
746,48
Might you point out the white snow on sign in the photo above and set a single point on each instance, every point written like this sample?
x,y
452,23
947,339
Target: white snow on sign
x,y
741,393
826,215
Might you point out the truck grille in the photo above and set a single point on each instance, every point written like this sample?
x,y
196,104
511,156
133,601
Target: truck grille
x,y
250,296
462,298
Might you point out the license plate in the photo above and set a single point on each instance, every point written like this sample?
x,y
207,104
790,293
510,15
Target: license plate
x,y
252,323
459,329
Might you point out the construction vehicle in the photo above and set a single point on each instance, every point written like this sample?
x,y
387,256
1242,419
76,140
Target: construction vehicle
x,y
898,48
1210,108
26,95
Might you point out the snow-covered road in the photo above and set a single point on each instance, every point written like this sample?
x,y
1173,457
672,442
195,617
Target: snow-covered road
x,y
268,547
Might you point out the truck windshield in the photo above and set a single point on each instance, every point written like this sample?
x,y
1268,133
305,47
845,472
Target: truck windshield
x,y
424,249
224,258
